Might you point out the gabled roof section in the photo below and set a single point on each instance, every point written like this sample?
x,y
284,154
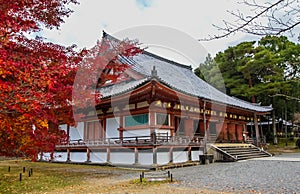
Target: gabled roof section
x,y
176,76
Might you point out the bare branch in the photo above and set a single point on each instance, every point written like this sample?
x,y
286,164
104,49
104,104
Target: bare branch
x,y
268,19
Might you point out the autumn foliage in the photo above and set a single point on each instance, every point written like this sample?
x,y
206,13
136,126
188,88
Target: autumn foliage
x,y
37,78
99,66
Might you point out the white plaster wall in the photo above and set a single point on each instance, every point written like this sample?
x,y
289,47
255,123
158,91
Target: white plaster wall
x,y
78,157
122,157
98,157
58,156
46,156
162,157
195,155
145,158
180,156
133,133
112,125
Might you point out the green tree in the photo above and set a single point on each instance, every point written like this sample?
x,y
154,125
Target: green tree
x,y
235,66
255,70
210,72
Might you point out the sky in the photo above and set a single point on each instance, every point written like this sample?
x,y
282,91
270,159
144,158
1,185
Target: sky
x,y
190,19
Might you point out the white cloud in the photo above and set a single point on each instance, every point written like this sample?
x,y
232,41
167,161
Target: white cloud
x,y
193,17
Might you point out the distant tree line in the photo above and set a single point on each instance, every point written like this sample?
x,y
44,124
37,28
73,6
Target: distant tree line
x,y
265,71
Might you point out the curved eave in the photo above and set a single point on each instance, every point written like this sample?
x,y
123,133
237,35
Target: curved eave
x,y
121,88
218,102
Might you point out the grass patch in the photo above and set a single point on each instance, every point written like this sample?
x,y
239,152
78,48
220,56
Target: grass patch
x,y
281,147
45,176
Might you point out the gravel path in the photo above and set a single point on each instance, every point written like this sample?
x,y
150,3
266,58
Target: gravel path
x,y
275,175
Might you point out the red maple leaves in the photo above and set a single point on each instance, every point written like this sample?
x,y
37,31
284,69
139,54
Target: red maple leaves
x,y
37,78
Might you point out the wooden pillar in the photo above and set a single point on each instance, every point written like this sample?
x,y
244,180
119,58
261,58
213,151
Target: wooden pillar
x,y
202,131
218,131
261,130
68,133
68,155
172,124
101,134
256,130
104,127
152,122
121,127
136,155
189,153
274,127
154,155
224,131
245,133
236,132
171,155
205,127
88,155
108,154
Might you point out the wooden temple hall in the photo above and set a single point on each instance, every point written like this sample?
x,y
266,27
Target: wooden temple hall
x,y
160,113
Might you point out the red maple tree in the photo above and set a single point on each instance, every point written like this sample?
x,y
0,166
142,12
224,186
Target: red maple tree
x,y
36,77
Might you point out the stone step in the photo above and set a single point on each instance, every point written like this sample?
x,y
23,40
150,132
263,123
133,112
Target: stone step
x,y
239,148
245,153
241,152
250,157
156,176
251,154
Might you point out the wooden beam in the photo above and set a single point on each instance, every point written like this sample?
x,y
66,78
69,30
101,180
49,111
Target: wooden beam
x,y
256,129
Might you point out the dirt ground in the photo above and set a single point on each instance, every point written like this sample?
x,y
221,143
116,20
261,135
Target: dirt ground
x,y
87,179
114,186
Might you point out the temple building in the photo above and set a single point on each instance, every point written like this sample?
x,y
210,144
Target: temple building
x,y
160,113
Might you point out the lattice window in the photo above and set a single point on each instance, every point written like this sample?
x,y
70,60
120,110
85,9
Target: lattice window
x,y
135,120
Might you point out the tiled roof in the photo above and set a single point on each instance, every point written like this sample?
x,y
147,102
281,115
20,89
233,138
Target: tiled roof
x,y
179,77
121,87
